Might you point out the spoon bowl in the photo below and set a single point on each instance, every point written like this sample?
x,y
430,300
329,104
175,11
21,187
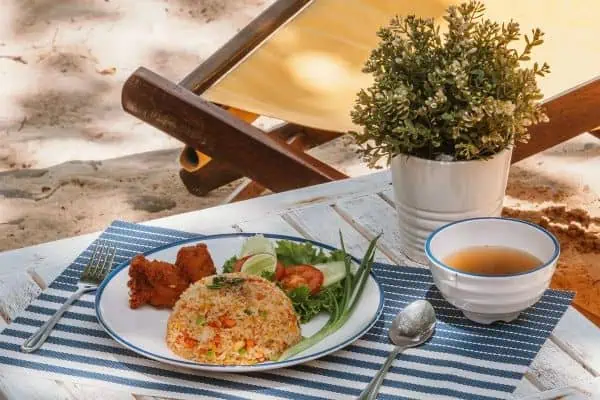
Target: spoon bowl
x,y
412,326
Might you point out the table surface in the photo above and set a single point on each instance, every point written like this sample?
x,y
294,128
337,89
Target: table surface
x,y
360,207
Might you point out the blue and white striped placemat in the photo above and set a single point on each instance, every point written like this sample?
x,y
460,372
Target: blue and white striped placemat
x,y
462,361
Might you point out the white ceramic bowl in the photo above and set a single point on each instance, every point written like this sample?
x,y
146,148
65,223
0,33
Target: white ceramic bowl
x,y
489,298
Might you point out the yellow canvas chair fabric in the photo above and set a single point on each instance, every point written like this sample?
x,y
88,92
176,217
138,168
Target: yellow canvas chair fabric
x,y
309,71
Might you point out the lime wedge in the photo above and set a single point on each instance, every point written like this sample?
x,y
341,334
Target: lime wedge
x,y
257,244
259,264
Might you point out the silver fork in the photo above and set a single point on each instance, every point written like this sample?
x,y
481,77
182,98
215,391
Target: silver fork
x,y
93,274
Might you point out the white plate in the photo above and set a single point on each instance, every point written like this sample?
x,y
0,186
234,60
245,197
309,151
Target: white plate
x,y
143,330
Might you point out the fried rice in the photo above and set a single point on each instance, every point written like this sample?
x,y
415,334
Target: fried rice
x,y
232,319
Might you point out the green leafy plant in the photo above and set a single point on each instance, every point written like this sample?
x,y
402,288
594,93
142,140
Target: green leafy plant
x,y
457,95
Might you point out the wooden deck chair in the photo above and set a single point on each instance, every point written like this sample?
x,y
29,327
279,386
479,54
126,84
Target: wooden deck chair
x,y
300,61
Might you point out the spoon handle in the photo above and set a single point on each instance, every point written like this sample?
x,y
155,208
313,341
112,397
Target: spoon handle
x,y
372,389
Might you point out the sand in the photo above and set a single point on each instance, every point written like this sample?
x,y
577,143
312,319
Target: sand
x,y
71,160
559,189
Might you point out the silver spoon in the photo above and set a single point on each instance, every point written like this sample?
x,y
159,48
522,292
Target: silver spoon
x,y
412,327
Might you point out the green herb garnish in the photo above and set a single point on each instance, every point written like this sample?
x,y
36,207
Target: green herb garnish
x,y
228,266
248,312
270,276
210,353
223,281
242,351
200,320
340,307
262,313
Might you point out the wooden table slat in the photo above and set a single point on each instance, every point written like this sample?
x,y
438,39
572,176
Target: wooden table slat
x,y
87,392
47,259
17,387
526,388
586,390
372,215
268,224
235,213
580,338
553,368
323,223
388,195
16,292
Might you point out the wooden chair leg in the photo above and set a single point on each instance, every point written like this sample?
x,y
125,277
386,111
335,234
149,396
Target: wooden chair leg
x,y
247,190
210,129
571,113
213,175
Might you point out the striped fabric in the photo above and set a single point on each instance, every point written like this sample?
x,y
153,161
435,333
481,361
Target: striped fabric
x,y
462,361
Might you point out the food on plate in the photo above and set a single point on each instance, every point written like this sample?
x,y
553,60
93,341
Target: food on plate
x,y
160,284
252,311
302,275
232,319
340,307
314,280
310,276
154,282
195,262
264,265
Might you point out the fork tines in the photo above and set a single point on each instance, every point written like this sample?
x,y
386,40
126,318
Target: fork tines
x,y
100,262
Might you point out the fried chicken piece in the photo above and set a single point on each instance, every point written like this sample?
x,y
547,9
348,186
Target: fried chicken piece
x,y
195,262
160,283
154,282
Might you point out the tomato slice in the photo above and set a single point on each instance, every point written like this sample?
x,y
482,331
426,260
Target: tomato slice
x,y
303,275
279,271
237,267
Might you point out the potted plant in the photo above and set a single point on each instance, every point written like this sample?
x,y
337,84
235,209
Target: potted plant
x,y
445,109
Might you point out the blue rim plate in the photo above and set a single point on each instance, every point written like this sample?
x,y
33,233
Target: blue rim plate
x,y
142,330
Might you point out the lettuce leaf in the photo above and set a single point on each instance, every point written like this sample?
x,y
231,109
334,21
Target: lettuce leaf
x,y
294,253
307,306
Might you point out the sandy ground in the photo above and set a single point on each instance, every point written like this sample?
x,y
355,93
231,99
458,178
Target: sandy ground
x,y
63,63
71,160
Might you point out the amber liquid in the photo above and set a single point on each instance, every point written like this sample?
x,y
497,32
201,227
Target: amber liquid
x,y
491,260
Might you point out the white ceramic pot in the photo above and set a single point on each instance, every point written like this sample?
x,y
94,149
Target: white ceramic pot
x,y
430,194
489,298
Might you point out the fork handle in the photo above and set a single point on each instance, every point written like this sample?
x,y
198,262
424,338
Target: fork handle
x,y
39,337
372,389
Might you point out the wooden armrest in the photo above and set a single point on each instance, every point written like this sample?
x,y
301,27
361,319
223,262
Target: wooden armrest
x,y
212,130
571,113
216,173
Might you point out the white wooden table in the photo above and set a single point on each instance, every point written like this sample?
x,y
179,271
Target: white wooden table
x,y
360,207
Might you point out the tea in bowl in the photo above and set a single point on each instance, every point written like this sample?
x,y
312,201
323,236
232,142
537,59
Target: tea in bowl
x,y
492,268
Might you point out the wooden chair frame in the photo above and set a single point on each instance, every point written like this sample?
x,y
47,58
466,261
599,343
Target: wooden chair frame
x,y
276,159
